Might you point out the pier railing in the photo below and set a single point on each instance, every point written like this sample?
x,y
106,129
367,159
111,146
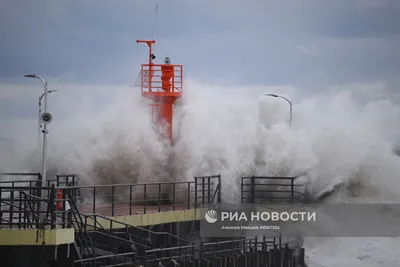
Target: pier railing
x,y
35,180
103,223
24,202
260,251
21,209
258,189
130,199
122,259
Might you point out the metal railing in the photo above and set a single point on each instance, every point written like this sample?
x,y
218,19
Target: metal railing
x,y
36,181
26,180
83,240
258,189
20,200
260,251
21,209
213,249
128,231
65,180
161,254
90,248
61,179
122,259
130,199
93,238
208,189
237,246
152,81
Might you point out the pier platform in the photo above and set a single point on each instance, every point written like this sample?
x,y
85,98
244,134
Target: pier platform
x,y
63,223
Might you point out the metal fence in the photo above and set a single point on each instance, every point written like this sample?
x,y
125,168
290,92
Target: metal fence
x,y
122,259
137,234
259,189
251,252
35,180
23,202
21,209
130,199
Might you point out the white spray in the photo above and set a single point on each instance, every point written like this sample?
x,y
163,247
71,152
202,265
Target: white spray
x,y
334,140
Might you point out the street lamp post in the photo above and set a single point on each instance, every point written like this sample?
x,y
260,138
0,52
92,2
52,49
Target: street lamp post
x,y
290,105
40,113
44,152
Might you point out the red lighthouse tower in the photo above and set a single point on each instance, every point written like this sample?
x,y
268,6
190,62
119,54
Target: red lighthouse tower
x,y
163,84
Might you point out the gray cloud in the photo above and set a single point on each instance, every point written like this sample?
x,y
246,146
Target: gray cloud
x,y
232,42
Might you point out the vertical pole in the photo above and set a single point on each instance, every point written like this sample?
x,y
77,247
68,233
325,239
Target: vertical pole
x,y
39,123
112,200
241,190
292,189
145,198
150,68
174,196
44,150
209,190
159,197
188,194
219,189
52,207
130,199
252,189
195,192
203,190
94,199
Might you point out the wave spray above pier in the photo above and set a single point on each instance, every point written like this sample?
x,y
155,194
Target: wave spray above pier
x,y
341,140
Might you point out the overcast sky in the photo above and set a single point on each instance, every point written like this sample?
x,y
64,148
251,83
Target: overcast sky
x,y
308,44
252,41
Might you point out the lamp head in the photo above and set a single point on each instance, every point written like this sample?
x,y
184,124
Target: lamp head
x,y
273,95
30,76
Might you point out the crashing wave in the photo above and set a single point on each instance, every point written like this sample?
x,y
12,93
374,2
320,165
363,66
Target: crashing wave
x,y
337,142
